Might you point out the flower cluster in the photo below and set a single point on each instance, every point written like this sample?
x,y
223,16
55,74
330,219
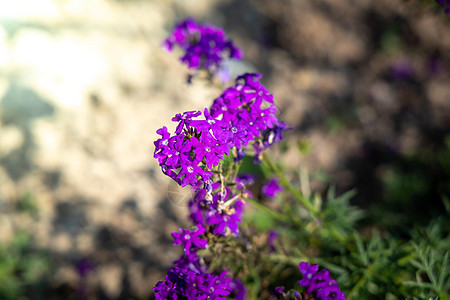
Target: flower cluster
x,y
243,113
189,278
318,285
205,46
445,4
193,284
248,108
220,209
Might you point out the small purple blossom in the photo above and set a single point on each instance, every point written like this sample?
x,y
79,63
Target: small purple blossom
x,y
84,266
238,289
269,137
186,283
190,239
402,70
271,239
279,292
205,46
318,285
319,282
188,156
272,188
221,211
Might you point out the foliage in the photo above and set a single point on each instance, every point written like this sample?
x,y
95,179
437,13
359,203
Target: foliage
x,y
21,268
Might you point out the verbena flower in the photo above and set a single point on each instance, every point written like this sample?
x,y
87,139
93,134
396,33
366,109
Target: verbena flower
x,y
317,285
190,239
192,151
242,113
192,285
272,188
279,292
271,239
319,282
222,212
204,45
249,110
238,290
269,137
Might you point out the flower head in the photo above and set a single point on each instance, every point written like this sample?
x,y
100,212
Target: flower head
x,y
319,282
272,188
190,239
192,285
205,46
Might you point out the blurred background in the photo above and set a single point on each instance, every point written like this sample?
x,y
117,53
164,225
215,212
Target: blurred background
x,y
85,212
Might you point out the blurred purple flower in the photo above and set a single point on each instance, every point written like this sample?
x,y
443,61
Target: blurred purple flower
x,y
279,292
402,70
273,236
272,188
84,266
204,45
319,282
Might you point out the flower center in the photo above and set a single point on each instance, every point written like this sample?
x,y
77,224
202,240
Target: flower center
x,y
165,142
211,122
187,237
234,130
207,149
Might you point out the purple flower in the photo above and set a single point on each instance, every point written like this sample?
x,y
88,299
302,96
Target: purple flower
x,y
271,239
84,267
402,70
320,283
270,137
244,180
238,289
279,292
190,239
272,188
226,218
248,109
190,172
222,212
205,46
209,148
189,155
190,261
190,284
184,119
308,272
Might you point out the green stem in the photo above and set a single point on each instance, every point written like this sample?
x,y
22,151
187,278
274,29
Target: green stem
x,y
304,201
286,259
267,210
356,287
